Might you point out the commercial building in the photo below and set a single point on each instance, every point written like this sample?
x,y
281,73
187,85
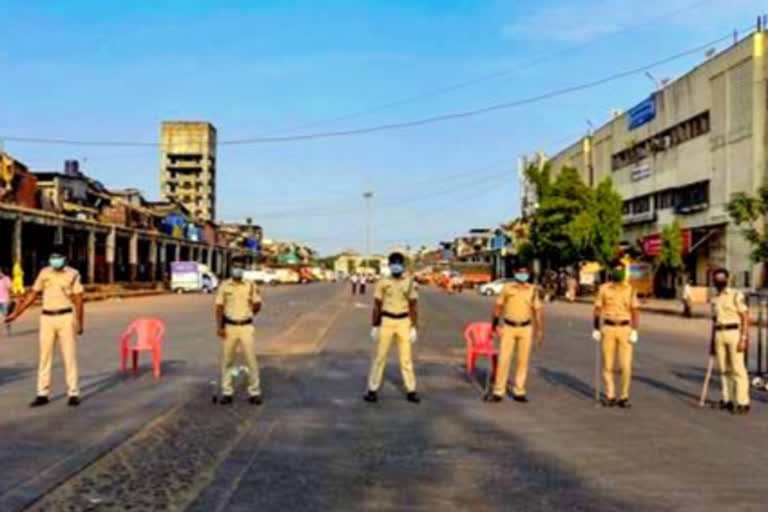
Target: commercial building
x,y
682,153
188,166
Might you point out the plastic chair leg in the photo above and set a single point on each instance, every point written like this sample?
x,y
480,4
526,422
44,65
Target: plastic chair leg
x,y
156,357
135,360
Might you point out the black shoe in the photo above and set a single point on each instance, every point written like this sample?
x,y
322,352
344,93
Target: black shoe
x,y
371,396
520,398
725,406
255,400
493,398
39,401
741,409
226,400
73,401
608,402
413,397
624,403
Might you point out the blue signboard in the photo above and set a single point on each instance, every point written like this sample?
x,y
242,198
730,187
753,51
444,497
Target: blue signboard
x,y
498,242
642,113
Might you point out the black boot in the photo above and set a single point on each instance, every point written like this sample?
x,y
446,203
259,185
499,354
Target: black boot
x,y
494,398
73,401
371,396
725,406
255,400
226,400
608,402
741,409
624,403
413,397
520,398
39,401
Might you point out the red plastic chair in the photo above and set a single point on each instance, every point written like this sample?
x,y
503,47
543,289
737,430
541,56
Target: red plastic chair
x,y
479,338
148,336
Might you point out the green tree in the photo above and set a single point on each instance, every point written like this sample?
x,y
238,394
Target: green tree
x,y
749,213
669,261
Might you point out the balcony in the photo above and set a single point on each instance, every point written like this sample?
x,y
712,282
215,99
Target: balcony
x,y
632,219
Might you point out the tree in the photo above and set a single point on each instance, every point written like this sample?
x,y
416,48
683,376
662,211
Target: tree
x,y
572,222
669,261
749,213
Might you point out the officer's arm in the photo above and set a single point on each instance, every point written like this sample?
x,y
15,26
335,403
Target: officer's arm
x,y
413,310
219,314
77,301
27,301
633,310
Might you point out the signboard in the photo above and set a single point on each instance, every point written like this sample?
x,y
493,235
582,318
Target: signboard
x,y
182,267
652,243
642,113
499,241
640,173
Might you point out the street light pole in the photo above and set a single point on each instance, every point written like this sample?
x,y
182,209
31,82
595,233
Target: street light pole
x,y
368,196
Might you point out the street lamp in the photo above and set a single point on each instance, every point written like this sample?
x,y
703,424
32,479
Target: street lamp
x,y
368,196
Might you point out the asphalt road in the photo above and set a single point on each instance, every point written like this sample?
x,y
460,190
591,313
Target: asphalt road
x,y
315,445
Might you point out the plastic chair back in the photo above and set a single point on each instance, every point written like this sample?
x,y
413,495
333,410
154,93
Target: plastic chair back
x,y
149,333
479,337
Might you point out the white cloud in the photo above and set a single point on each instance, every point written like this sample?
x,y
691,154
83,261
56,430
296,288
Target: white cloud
x,y
579,21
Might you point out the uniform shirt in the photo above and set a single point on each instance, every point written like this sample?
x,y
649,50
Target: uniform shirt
x,y
616,301
395,294
58,287
518,300
238,299
727,306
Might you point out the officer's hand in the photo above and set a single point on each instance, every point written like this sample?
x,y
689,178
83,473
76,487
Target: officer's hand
x,y
374,334
712,351
220,333
742,346
540,336
414,335
80,330
633,336
597,335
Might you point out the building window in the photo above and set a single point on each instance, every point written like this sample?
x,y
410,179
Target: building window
x,y
665,199
692,198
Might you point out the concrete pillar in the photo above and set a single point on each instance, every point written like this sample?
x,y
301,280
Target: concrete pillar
x,y
163,259
153,260
91,256
110,255
176,251
133,256
16,242
209,257
759,100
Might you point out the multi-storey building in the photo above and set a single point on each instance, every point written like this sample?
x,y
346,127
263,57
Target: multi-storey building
x,y
682,153
188,166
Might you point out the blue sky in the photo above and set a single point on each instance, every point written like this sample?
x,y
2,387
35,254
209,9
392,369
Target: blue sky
x,y
99,70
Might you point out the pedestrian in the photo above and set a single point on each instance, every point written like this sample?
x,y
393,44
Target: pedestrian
x,y
237,302
519,308
615,326
395,317
687,298
731,325
353,282
5,296
361,279
62,318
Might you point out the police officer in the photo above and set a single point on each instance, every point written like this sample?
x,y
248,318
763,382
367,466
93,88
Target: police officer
x,y
519,309
395,316
61,318
615,325
237,301
729,313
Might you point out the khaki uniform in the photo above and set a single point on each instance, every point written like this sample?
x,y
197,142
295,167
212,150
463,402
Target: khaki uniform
x,y
733,371
395,296
519,301
238,299
616,302
57,288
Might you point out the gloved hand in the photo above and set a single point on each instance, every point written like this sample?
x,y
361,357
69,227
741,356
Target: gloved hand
x,y
374,333
414,335
633,336
597,335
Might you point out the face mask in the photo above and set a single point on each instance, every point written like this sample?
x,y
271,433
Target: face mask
x,y
720,284
57,262
237,273
396,269
522,277
617,275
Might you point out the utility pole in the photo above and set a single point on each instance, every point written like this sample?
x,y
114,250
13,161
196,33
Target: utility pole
x,y
368,196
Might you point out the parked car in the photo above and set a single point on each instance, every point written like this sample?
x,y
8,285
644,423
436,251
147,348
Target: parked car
x,y
264,276
287,276
492,288
190,276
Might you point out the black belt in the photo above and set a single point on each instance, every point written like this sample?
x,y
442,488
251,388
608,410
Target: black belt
x,y
727,327
396,316
617,323
54,312
229,321
524,323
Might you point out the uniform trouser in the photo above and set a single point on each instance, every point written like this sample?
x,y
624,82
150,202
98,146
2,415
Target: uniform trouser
x,y
733,371
513,338
239,336
616,339
61,328
398,330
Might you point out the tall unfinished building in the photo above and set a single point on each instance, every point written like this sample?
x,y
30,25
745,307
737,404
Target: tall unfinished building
x,y
188,166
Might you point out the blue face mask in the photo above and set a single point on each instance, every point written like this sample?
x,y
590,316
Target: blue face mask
x,y
396,269
237,273
522,277
57,262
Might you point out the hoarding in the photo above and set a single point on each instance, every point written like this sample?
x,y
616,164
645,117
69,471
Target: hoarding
x,y
642,113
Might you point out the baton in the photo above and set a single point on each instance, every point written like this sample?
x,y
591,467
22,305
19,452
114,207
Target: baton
x,y
707,377
597,372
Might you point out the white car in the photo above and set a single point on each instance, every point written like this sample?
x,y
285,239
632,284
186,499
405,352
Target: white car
x,y
492,288
263,276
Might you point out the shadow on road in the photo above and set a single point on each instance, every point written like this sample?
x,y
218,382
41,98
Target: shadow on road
x,y
8,375
559,378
